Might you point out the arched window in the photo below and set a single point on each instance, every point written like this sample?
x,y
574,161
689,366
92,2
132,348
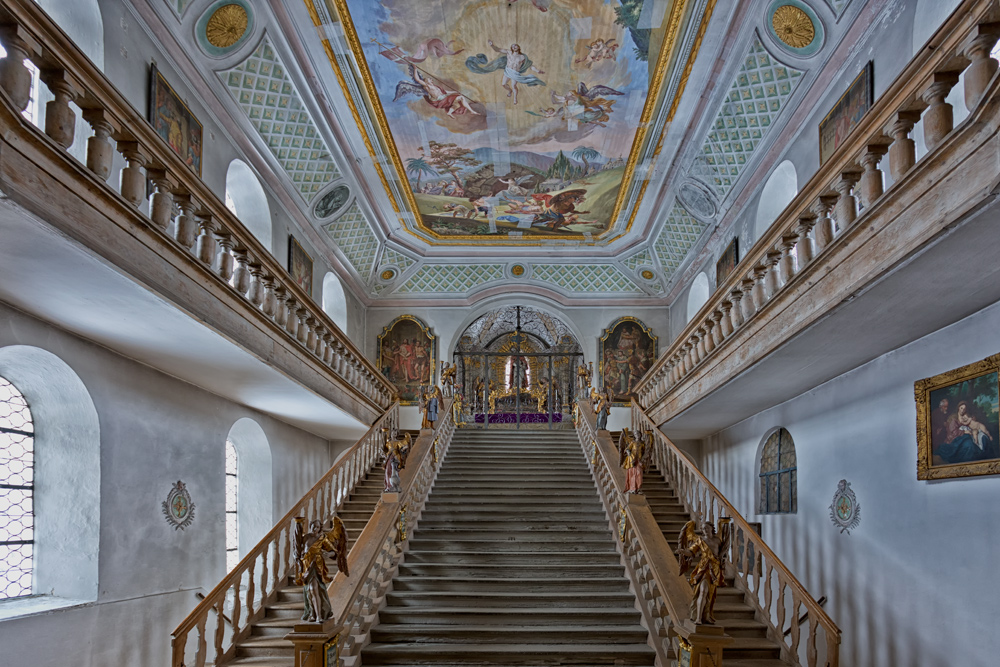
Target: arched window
x,y
697,295
778,482
232,517
778,192
17,490
246,199
334,300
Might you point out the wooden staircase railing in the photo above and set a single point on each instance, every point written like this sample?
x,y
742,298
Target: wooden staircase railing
x,y
823,228
769,584
206,242
257,577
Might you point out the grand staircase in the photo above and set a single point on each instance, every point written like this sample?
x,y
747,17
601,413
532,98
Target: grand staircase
x,y
512,563
751,646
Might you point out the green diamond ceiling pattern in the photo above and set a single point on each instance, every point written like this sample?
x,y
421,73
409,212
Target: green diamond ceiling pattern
x,y
451,277
393,258
353,235
756,97
603,278
263,90
642,258
679,234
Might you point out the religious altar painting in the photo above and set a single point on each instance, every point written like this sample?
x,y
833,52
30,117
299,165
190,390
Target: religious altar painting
x,y
510,119
846,113
407,350
173,121
727,261
957,422
627,350
300,265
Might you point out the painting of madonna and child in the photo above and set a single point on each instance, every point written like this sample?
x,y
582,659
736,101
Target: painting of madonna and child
x,y
511,119
960,415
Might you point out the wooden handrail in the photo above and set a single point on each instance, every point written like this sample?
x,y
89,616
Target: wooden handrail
x,y
320,502
706,503
825,212
206,230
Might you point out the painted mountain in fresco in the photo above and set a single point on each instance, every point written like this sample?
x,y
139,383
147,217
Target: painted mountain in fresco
x,y
510,119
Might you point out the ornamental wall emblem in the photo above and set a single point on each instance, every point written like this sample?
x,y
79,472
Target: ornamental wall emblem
x,y
178,508
845,512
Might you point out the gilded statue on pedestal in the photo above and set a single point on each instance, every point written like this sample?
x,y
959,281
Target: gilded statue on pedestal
x,y
702,556
600,401
633,458
448,377
394,453
584,376
312,573
432,403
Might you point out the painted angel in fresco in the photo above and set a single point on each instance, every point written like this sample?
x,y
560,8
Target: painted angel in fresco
x,y
702,556
597,51
514,64
450,101
312,573
586,105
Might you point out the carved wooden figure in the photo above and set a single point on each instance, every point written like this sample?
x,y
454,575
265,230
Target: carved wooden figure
x,y
448,377
432,403
312,574
394,454
632,458
702,556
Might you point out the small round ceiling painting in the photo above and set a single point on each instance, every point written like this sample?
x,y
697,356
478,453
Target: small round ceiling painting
x,y
332,202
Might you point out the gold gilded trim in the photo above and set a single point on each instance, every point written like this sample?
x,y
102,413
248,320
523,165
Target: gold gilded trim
x,y
669,47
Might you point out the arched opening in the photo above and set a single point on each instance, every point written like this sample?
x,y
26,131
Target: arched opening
x,y
778,192
335,300
246,199
248,491
697,295
66,480
777,475
17,490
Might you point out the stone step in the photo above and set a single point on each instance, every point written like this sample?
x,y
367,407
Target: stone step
x,y
523,545
513,572
513,616
264,661
537,655
504,600
512,531
491,634
751,647
505,585
556,515
259,647
563,558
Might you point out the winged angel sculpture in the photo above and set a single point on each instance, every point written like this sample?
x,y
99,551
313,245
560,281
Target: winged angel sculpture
x,y
313,575
702,556
394,454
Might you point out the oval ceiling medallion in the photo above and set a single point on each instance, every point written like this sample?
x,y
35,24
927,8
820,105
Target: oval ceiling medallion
x,y
647,274
388,275
696,199
517,270
331,202
226,25
795,27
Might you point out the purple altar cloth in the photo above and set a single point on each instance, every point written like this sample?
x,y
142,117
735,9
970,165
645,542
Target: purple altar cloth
x,y
526,418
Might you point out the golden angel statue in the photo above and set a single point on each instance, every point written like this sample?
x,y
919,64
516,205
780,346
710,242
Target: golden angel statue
x,y
394,453
633,455
702,555
312,574
448,377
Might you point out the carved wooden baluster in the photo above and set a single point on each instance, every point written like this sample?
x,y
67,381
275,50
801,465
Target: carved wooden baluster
x,y
279,304
772,277
902,150
768,588
100,150
747,286
206,248
291,319
161,206
264,589
286,557
811,643
982,66
15,77
270,304
697,346
302,331
186,227
781,604
225,261
758,292
826,228
805,249
276,561
237,603
220,628
60,119
199,656
795,625
133,176
734,309
241,274
787,264
938,119
847,205
718,329
872,184
256,292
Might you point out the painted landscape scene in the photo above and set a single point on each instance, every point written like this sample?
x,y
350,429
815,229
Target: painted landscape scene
x,y
510,118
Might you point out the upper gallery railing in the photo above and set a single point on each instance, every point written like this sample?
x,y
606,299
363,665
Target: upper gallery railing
x,y
779,597
265,569
796,245
205,230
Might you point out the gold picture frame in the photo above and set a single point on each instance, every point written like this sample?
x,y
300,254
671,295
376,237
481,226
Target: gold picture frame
x,y
957,421
623,360
407,356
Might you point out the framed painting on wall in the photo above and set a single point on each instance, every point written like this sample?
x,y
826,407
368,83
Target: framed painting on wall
x,y
407,351
727,261
957,422
300,265
173,121
627,349
846,113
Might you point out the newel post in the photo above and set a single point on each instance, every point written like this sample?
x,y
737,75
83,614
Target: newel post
x,y
700,645
313,641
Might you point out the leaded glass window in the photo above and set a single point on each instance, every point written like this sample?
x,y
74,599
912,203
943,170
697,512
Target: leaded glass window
x,y
17,484
232,523
778,487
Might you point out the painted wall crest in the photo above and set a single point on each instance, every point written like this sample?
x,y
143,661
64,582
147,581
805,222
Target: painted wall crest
x,y
178,508
845,512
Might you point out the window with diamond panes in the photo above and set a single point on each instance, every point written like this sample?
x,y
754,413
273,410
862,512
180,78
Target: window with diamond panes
x,y
17,514
232,523
778,484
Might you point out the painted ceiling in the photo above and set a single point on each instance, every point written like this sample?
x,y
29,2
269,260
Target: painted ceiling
x,y
414,133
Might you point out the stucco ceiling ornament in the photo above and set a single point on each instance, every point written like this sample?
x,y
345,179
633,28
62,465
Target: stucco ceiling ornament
x,y
793,26
696,198
845,512
178,508
226,26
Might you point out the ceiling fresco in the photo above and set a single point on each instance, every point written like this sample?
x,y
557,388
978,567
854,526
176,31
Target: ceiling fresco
x,y
513,121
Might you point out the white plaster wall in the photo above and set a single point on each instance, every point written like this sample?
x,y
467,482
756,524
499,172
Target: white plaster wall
x,y
154,430
914,584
